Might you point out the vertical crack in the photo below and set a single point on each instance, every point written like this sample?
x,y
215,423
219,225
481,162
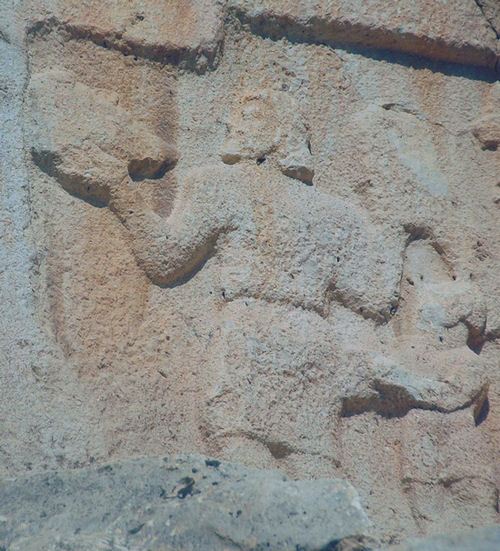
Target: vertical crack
x,y
480,5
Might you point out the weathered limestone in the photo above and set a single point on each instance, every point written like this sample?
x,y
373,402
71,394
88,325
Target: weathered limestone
x,y
481,539
188,503
456,31
259,230
187,32
261,126
90,161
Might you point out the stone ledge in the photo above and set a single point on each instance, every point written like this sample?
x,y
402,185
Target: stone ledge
x,y
455,32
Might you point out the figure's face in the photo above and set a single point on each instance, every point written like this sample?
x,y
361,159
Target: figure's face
x,y
268,126
254,129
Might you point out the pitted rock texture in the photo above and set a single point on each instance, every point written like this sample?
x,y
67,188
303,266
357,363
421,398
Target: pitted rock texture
x,y
188,503
456,30
261,230
188,32
481,539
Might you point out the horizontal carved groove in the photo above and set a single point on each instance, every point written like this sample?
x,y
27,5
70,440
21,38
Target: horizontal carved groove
x,y
340,32
166,53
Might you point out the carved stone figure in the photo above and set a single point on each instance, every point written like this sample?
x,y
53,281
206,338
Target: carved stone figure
x,y
260,230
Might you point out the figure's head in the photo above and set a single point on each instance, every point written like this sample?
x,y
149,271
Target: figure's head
x,y
268,126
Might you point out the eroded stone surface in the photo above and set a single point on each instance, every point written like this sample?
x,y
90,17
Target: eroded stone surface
x,y
456,31
90,160
187,32
189,503
480,539
261,126
224,233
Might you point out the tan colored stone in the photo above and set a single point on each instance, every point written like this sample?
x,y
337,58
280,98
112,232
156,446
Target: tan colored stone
x,y
90,160
487,131
188,31
273,242
456,31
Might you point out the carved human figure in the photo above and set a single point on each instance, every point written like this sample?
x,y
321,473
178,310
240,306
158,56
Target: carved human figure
x,y
302,247
283,245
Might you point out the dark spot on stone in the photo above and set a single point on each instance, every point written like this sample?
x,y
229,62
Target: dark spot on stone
x,y
261,160
279,450
476,340
212,463
149,169
482,412
187,490
136,529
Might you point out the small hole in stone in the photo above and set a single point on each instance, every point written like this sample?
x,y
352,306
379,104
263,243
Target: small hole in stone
x,y
261,160
148,169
